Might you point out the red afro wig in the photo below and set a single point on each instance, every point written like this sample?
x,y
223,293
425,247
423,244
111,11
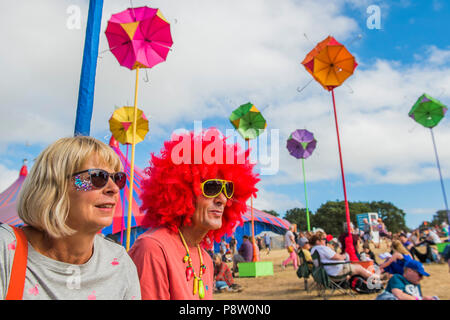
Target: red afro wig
x,y
169,193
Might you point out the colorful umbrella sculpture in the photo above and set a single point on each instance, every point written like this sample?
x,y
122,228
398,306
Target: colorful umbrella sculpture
x,y
330,63
250,123
429,112
121,125
138,38
301,144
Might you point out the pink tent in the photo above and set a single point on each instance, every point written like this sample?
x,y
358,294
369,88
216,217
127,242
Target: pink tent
x,y
8,199
265,217
120,215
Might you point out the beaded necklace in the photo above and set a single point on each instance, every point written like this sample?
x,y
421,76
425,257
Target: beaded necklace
x,y
198,282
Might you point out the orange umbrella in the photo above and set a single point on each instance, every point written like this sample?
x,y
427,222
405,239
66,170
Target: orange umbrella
x,y
330,63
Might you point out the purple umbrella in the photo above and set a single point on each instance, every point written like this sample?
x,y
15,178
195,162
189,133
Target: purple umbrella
x,y
301,144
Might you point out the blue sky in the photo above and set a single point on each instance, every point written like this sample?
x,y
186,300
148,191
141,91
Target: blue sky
x,y
227,53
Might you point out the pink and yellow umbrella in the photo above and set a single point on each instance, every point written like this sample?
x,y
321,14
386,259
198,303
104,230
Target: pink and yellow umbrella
x,y
138,38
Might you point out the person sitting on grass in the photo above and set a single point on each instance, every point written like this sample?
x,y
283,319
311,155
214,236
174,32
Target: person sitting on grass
x,y
367,254
406,286
327,255
245,253
396,262
429,236
223,277
415,253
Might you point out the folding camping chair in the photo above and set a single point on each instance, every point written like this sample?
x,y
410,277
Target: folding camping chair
x,y
304,269
324,281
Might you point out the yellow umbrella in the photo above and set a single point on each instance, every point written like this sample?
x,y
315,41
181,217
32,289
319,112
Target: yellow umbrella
x,y
121,125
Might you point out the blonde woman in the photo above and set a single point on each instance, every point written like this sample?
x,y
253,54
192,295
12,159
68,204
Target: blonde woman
x,y
395,264
69,195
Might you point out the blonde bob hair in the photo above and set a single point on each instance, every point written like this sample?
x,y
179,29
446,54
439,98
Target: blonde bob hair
x,y
399,247
43,200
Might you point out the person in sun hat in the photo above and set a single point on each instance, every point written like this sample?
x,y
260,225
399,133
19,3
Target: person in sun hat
x,y
304,245
68,197
191,195
406,286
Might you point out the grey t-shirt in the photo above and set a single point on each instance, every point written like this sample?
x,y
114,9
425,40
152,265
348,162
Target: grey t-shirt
x,y
110,274
288,238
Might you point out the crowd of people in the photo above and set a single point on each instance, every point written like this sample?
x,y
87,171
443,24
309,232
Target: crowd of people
x,y
399,270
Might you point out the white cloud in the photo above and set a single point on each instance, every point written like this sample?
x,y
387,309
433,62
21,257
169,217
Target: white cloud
x,y
7,177
437,5
422,211
438,56
268,200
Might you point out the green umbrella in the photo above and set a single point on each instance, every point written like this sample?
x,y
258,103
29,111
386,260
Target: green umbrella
x,y
428,111
248,121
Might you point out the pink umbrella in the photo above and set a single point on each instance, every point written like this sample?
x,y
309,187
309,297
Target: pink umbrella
x,y
139,37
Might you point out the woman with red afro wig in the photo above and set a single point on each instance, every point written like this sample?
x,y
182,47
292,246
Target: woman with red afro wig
x,y
195,193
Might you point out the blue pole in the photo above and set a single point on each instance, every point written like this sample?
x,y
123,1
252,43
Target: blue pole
x,y
440,175
88,69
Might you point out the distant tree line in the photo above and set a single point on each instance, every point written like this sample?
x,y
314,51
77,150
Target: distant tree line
x,y
439,217
331,215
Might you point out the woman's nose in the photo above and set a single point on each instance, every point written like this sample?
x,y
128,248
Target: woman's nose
x,y
111,187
